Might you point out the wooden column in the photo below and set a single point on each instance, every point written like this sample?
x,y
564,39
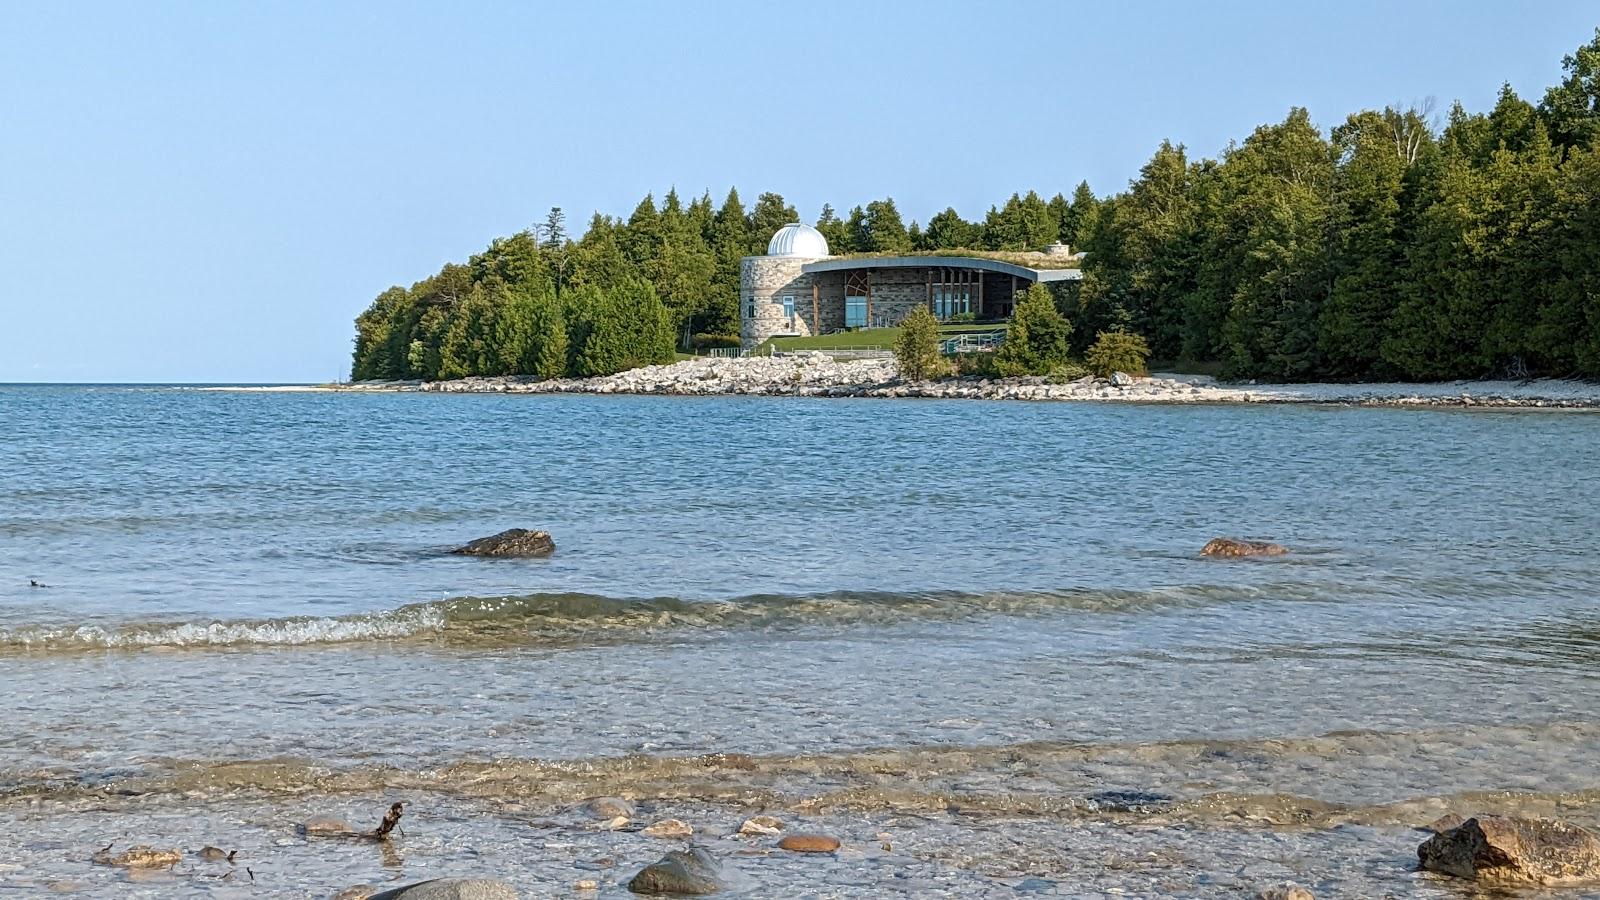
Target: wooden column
x,y
930,289
979,311
869,299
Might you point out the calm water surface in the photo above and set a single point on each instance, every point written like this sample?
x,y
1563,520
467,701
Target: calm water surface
x,y
978,628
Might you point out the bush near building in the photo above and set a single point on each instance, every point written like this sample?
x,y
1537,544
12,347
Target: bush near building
x,y
917,347
1118,351
1037,339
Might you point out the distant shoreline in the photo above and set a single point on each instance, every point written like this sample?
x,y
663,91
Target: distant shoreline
x,y
815,375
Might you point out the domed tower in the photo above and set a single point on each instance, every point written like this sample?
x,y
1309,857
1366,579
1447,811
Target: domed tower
x,y
775,296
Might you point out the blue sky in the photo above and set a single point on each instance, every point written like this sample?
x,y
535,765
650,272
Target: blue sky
x,y
212,191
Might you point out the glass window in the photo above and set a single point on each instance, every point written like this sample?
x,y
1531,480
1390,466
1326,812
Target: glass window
x,y
855,312
788,306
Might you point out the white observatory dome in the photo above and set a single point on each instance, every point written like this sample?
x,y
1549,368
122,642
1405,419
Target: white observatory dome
x,y
798,239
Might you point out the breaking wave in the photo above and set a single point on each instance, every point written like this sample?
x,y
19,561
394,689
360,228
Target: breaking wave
x,y
556,618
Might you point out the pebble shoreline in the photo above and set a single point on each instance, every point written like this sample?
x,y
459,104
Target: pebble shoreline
x,y
817,375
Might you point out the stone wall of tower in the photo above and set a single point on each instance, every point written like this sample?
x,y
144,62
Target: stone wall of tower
x,y
763,283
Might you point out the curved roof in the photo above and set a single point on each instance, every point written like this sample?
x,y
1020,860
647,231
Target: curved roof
x,y
798,239
949,262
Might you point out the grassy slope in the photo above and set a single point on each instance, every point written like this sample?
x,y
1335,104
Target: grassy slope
x,y
867,338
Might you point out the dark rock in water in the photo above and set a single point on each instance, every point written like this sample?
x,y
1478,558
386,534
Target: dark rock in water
x,y
1512,850
1229,548
513,542
1129,801
451,889
1034,886
692,872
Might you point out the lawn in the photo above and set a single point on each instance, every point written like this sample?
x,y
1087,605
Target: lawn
x,y
867,338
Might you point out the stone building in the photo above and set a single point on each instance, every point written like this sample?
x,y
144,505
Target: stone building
x,y
797,289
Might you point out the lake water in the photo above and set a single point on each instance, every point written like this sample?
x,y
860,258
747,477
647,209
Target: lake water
x,y
973,640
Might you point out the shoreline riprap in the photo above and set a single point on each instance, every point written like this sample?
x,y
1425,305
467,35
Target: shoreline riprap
x,y
818,375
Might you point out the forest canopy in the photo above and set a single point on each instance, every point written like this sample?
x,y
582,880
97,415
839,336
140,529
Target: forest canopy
x,y
1398,244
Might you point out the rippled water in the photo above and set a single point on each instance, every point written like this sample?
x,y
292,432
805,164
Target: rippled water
x,y
980,629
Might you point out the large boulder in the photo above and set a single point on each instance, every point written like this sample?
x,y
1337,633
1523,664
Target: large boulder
x,y
690,873
1232,548
451,889
1512,850
513,542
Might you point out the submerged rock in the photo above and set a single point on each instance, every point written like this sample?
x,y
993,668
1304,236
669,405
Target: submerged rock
x,y
1286,891
451,889
325,825
809,843
670,828
608,807
140,857
760,826
1229,548
512,542
692,872
1506,849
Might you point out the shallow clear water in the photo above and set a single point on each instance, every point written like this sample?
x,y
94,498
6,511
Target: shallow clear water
x,y
978,627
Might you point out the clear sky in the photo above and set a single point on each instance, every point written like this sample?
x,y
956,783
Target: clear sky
x,y
212,191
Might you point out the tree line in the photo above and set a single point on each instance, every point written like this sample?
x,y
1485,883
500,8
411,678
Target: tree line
x,y
629,292
1386,248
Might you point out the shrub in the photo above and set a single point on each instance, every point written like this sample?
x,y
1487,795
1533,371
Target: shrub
x,y
965,318
1036,342
975,364
709,341
1068,371
917,347
1118,351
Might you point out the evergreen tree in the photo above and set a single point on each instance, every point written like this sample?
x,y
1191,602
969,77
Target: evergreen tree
x,y
857,236
729,242
374,357
550,350
641,239
1082,216
1037,228
1368,243
948,231
884,231
1061,213
1572,108
598,259
1036,341
917,347
833,230
770,214
1268,258
515,346
1143,258
627,329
